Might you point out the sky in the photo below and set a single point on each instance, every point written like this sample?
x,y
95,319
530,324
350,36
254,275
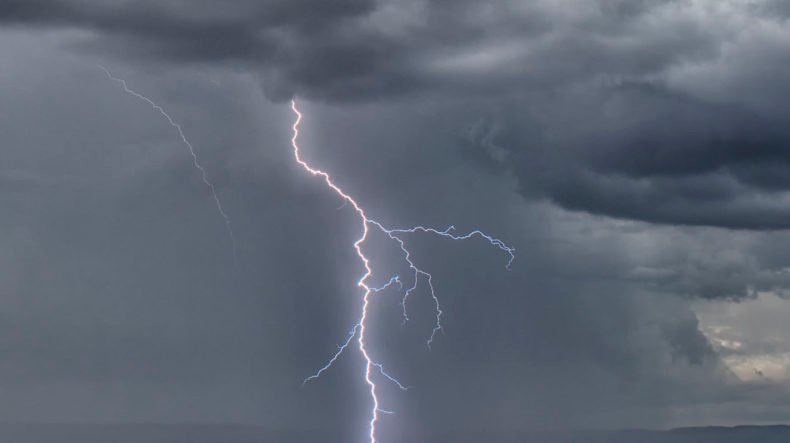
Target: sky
x,y
633,152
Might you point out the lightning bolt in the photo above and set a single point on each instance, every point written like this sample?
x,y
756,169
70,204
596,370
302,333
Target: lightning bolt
x,y
188,144
360,328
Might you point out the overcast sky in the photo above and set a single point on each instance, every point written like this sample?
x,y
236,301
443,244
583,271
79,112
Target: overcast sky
x,y
635,153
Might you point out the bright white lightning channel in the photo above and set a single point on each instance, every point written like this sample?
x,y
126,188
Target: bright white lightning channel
x,y
359,329
188,144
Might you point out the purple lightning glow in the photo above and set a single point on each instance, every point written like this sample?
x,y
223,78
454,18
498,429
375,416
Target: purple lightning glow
x,y
188,144
359,329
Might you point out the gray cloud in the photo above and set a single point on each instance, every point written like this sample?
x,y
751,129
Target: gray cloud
x,y
661,111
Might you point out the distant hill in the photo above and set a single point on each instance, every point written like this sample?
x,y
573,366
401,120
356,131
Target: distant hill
x,y
148,433
736,434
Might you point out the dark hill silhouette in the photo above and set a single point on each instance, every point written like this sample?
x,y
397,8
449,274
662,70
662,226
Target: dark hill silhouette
x,y
160,433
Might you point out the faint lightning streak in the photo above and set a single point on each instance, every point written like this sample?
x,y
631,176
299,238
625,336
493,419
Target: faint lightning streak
x,y
393,281
447,233
359,329
334,358
389,377
188,144
340,350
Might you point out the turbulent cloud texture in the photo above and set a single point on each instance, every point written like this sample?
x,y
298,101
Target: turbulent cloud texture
x,y
663,111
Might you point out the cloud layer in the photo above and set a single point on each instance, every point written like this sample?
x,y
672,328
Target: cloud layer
x,y
663,111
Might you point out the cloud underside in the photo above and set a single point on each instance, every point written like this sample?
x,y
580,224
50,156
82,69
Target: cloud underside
x,y
663,111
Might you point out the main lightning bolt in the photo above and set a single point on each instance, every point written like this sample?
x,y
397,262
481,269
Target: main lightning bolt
x,y
360,328
188,144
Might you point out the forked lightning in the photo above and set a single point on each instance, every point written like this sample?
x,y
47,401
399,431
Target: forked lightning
x,y
358,331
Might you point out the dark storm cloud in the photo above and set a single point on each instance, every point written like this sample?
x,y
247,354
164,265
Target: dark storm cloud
x,y
662,158
174,17
315,46
663,111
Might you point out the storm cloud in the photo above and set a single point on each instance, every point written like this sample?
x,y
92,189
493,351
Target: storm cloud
x,y
663,111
